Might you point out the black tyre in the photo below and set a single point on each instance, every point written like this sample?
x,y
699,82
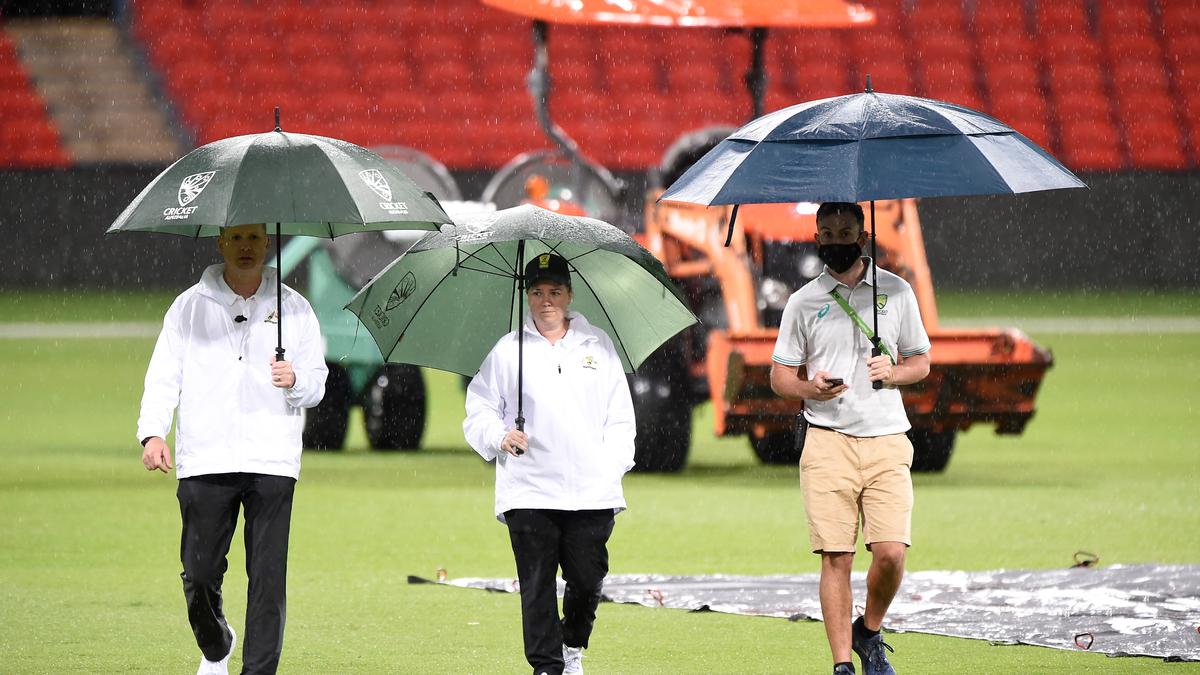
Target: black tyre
x,y
663,405
325,425
931,449
776,447
394,408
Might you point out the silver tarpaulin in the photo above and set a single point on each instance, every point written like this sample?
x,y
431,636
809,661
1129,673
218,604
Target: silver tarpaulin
x,y
1121,610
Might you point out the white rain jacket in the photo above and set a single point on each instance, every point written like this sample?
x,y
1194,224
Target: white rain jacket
x,y
217,372
578,417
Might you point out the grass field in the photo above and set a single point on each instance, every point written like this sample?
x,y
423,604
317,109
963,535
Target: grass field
x,y
89,554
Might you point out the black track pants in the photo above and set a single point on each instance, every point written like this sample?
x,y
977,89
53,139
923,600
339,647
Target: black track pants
x,y
543,540
209,508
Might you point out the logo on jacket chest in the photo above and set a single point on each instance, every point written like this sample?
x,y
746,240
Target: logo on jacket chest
x,y
589,362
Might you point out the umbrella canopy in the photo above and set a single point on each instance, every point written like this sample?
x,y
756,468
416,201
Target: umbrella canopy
x,y
864,147
446,302
306,185
869,146
704,13
309,185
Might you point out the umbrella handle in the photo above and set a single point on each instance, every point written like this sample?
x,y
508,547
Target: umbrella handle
x,y
876,351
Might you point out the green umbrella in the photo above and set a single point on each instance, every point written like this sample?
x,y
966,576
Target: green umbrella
x,y
306,185
448,300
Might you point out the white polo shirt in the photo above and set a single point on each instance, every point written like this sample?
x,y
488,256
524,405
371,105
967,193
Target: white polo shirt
x,y
818,334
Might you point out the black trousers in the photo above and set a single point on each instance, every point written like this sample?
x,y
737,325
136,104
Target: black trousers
x,y
209,508
542,540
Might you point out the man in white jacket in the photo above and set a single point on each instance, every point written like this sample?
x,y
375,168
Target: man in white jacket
x,y
558,482
237,437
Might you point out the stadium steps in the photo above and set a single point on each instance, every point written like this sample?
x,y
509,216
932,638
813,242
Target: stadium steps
x,y
95,94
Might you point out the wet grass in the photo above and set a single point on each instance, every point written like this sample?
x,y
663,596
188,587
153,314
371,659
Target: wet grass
x,y
89,566
121,305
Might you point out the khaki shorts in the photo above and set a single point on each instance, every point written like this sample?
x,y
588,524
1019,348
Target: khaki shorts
x,y
845,478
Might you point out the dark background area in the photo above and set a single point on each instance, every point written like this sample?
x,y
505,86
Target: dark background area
x,y
1129,231
23,8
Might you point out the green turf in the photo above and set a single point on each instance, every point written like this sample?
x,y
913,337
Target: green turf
x,y
1068,303
114,305
89,561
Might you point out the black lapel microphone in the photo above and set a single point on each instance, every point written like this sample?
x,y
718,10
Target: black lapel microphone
x,y
239,318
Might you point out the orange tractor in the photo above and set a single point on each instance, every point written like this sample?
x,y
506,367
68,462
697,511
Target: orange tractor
x,y
739,291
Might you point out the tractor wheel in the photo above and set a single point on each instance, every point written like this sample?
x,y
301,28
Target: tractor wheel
x,y
325,425
776,447
394,408
931,449
661,399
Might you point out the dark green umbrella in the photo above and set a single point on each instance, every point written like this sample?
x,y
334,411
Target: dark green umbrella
x,y
306,185
446,302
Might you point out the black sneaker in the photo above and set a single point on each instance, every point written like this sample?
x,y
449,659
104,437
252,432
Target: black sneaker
x,y
844,669
870,650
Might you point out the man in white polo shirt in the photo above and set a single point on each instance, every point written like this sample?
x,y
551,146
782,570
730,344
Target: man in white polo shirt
x,y
856,457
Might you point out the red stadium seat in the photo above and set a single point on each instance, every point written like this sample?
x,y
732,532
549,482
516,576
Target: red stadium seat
x,y
1140,76
1070,48
823,80
375,47
1180,18
1115,19
701,78
1058,17
623,75
1091,147
442,76
1012,47
12,78
169,48
1132,47
1019,103
945,46
1017,75
996,16
1067,78
1156,145
376,77
569,75
224,18
943,18
569,43
22,104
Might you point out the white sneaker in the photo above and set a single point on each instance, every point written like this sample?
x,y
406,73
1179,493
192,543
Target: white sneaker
x,y
572,660
218,667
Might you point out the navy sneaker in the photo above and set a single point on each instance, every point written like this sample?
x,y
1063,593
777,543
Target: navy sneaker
x,y
844,669
870,650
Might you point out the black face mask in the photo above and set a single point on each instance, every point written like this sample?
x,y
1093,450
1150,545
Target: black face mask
x,y
839,257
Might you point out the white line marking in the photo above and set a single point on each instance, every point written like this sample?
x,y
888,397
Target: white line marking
x,y
60,331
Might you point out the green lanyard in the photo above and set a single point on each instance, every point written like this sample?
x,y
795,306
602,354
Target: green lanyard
x,y
862,325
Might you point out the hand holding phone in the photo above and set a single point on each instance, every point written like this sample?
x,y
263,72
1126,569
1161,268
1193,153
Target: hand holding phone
x,y
834,382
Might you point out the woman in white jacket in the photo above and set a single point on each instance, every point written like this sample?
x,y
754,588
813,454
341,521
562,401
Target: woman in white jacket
x,y
558,482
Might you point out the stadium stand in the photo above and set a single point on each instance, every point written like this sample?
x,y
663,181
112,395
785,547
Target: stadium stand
x,y
28,137
1101,83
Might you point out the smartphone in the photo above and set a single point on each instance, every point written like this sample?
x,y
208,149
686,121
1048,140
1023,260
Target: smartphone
x,y
834,381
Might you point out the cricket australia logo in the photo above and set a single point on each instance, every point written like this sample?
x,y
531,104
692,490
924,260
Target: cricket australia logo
x,y
375,180
881,302
189,189
402,291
